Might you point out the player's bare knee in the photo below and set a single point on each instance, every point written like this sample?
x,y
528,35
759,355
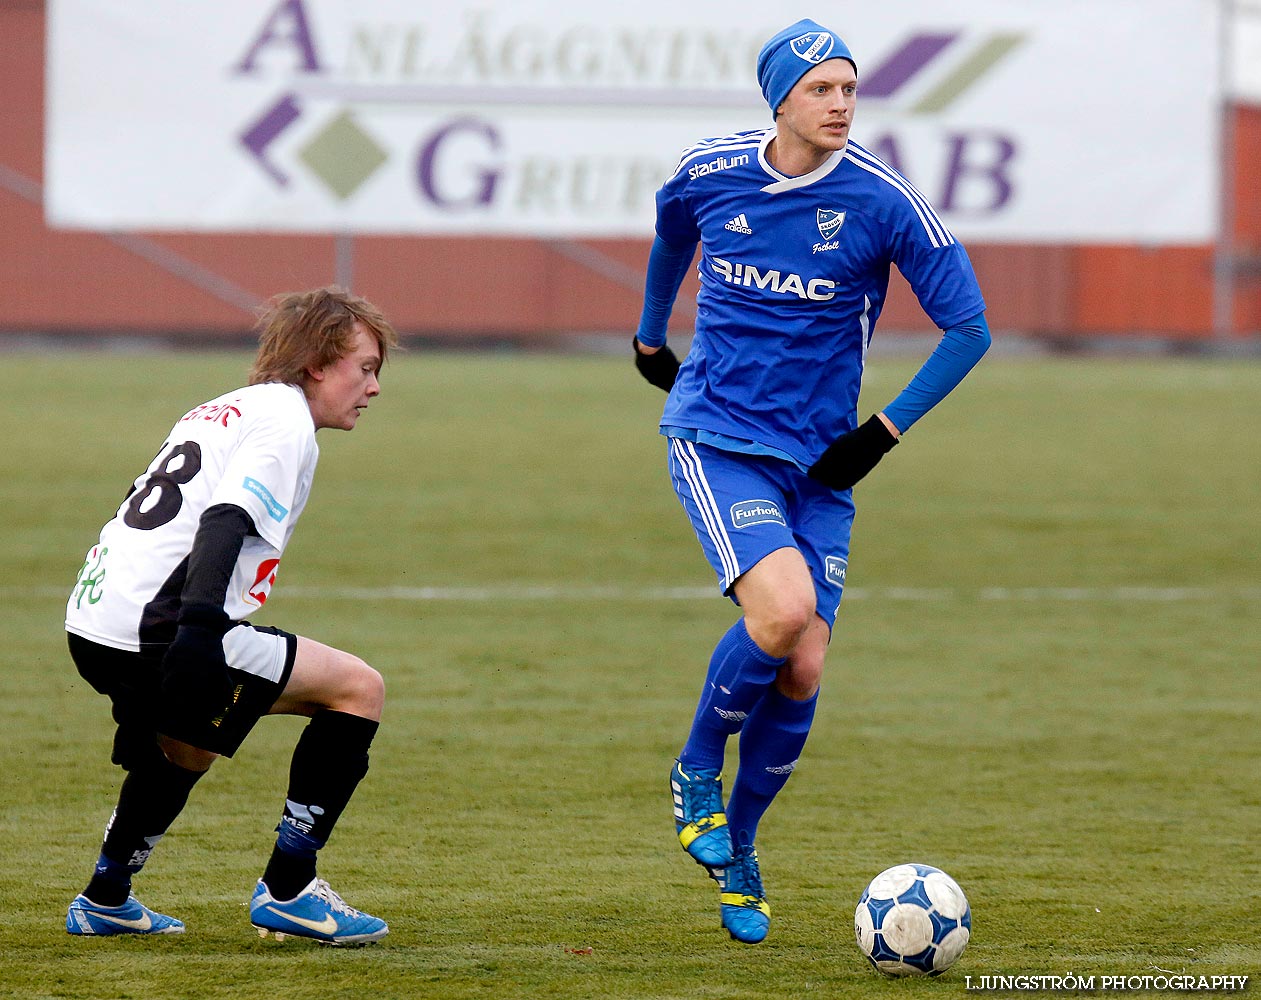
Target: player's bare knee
x,y
374,685
183,755
800,677
364,689
778,630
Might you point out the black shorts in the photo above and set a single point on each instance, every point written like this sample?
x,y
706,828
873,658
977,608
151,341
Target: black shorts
x,y
132,682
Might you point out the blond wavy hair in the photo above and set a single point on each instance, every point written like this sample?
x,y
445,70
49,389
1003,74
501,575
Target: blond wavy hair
x,y
300,332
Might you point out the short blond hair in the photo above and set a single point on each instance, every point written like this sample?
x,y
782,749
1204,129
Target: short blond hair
x,y
304,331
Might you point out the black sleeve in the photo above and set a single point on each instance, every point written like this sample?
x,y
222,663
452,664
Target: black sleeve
x,y
220,533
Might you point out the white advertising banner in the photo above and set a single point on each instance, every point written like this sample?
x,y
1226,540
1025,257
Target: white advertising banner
x,y
1245,50
1038,120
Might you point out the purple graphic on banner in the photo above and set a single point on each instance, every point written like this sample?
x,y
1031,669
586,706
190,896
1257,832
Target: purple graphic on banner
x,y
460,165
908,61
260,135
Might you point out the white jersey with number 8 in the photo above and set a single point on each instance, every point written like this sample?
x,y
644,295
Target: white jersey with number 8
x,y
253,447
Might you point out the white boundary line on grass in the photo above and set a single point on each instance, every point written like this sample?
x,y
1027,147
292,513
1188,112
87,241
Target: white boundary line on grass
x,y
614,592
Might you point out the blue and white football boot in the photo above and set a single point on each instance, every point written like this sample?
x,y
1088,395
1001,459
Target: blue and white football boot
x,y
699,818
86,917
745,913
317,912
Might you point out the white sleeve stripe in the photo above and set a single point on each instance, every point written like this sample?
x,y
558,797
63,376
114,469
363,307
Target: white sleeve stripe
x,y
902,183
684,454
741,138
705,147
936,229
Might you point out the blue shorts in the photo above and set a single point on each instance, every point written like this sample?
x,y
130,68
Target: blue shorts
x,y
744,507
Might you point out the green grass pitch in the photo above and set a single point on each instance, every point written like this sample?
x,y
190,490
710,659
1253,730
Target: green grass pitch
x,y
1044,681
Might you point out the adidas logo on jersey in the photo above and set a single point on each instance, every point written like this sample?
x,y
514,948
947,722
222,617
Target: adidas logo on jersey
x,y
740,224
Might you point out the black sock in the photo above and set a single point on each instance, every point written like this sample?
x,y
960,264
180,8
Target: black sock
x,y
329,761
153,794
288,874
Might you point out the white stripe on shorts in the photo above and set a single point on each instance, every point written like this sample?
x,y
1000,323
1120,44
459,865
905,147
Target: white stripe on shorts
x,y
259,653
694,475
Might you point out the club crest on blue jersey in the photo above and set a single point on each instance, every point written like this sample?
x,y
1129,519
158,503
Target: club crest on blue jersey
x,y
813,46
829,221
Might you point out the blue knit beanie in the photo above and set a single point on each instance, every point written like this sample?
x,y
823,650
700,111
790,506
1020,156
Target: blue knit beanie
x,y
787,57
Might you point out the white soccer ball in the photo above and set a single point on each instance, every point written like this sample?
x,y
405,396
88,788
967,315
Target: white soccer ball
x,y
913,920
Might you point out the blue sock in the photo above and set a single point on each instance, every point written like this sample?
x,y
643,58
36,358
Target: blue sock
x,y
739,675
291,839
111,882
292,864
770,744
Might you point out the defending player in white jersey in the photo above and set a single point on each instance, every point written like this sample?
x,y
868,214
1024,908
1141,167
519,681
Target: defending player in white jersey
x,y
797,226
157,622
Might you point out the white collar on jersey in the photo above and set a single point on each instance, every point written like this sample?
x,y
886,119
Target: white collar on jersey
x,y
786,183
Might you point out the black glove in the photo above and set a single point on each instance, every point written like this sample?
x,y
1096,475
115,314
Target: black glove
x,y
660,368
196,686
852,455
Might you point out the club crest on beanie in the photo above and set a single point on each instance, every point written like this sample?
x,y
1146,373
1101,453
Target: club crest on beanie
x,y
789,54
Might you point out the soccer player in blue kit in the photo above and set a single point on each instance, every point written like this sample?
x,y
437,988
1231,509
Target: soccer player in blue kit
x,y
797,226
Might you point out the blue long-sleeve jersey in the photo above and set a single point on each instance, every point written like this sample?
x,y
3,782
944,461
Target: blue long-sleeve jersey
x,y
793,276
